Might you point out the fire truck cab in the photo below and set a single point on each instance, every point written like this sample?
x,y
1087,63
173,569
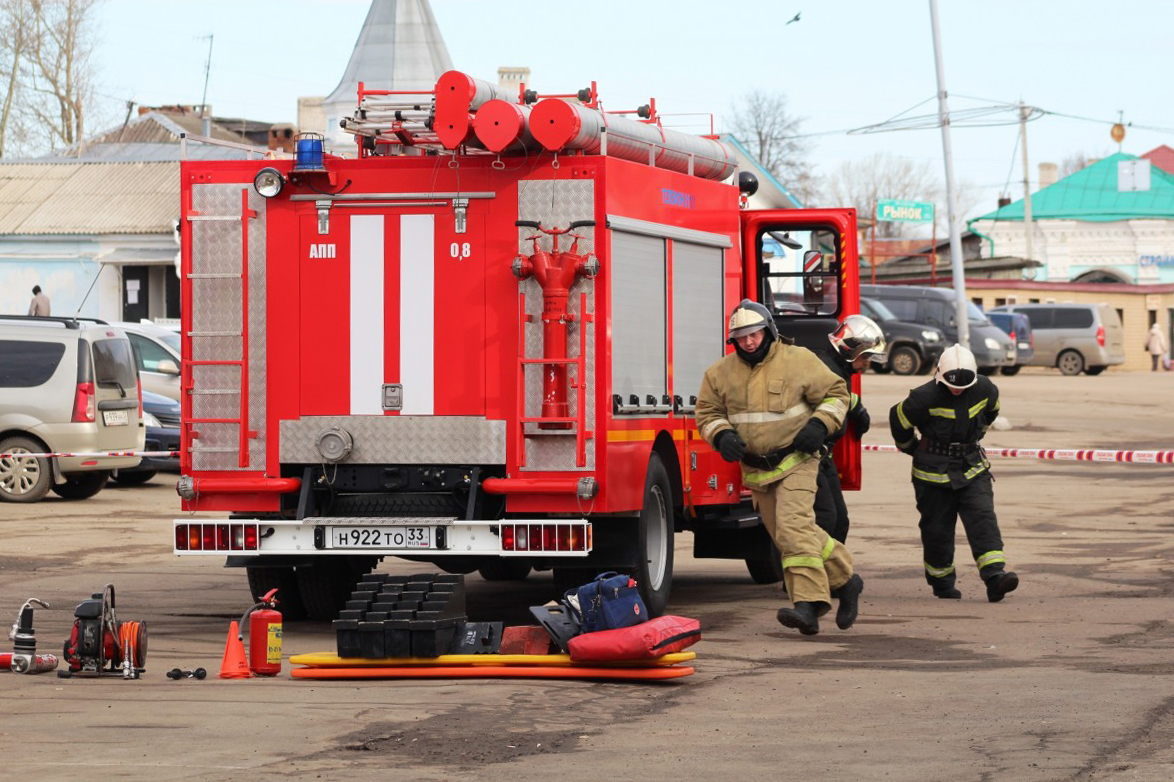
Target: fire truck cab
x,y
484,359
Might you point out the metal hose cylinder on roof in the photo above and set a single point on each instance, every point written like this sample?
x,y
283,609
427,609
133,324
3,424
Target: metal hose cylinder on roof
x,y
458,94
559,125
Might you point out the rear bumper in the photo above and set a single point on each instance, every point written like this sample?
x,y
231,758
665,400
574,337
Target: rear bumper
x,y
159,439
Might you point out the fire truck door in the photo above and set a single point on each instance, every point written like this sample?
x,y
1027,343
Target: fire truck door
x,y
803,265
389,297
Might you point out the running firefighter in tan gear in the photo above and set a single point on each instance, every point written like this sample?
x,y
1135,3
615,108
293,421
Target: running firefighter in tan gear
x,y
951,474
770,406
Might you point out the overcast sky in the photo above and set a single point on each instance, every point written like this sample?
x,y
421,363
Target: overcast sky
x,y
845,64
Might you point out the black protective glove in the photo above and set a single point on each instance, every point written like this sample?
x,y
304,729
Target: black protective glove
x,y
811,436
859,416
911,448
730,444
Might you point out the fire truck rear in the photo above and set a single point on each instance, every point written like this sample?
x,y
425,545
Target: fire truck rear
x,y
477,343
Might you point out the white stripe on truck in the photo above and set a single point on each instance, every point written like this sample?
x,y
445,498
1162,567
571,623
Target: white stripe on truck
x,y
367,316
417,324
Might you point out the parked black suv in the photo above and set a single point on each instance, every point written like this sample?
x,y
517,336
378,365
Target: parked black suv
x,y
914,349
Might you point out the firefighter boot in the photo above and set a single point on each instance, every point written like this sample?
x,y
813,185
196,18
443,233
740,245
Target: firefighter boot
x,y
1000,584
947,593
849,602
804,617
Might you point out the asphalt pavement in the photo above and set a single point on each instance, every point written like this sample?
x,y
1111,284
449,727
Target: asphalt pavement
x,y
1070,677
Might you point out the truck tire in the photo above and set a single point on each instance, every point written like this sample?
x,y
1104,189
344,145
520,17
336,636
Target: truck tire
x,y
325,585
505,570
23,479
653,568
283,579
1070,362
904,360
82,486
766,571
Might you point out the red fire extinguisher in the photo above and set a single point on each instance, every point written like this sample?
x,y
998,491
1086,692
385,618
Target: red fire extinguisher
x,y
264,636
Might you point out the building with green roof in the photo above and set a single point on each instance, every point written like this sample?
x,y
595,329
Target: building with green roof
x,y
1112,221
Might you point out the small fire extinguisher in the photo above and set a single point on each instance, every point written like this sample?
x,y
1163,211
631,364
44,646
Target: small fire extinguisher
x,y
264,636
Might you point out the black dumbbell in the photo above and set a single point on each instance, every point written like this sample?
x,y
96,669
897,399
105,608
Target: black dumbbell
x,y
176,673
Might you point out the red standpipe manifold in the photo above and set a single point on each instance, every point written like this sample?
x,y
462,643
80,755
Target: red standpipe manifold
x,y
556,272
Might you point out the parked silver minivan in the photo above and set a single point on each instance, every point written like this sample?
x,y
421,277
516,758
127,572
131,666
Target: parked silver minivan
x,y
1074,338
66,386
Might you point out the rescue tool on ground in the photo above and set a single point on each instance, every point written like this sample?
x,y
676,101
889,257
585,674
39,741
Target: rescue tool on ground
x,y
397,354
100,643
24,657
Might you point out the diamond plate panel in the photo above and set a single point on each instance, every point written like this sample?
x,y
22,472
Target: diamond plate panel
x,y
399,439
217,309
557,203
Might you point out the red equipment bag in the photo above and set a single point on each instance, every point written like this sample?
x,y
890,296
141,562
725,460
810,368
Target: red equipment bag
x,y
644,641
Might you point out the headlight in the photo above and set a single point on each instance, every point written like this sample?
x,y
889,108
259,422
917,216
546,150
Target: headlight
x,y
268,182
151,420
931,336
992,344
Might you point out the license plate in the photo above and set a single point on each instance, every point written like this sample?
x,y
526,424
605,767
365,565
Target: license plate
x,y
379,537
115,417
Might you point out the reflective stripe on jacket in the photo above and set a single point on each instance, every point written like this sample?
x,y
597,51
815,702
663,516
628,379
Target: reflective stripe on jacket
x,y
769,403
934,412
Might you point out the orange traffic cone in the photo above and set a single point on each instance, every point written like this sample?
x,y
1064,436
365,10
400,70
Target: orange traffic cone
x,y
235,666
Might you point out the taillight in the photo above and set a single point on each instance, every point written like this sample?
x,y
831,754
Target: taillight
x,y
84,408
552,536
1101,336
1012,335
217,537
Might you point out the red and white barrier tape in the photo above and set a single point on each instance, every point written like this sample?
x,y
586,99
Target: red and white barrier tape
x,y
96,455
1065,455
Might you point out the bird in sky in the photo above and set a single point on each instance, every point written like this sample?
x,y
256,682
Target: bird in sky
x,y
796,19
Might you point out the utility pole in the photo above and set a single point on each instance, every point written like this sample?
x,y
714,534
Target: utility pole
x,y
207,73
1028,225
956,266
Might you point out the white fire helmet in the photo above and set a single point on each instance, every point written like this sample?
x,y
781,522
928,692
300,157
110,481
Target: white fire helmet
x,y
956,368
858,336
749,317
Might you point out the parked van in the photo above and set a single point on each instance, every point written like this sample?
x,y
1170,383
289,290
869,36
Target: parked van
x,y
992,348
1016,326
1074,338
66,386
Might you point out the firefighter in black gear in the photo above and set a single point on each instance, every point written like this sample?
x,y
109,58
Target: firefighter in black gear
x,y
951,474
855,342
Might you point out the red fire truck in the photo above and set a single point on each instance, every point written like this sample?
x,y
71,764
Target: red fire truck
x,y
477,343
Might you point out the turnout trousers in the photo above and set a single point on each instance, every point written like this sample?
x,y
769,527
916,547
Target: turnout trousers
x,y
831,512
940,506
814,563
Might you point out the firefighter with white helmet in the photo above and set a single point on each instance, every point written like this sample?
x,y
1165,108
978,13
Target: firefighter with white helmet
x,y
951,474
856,341
770,405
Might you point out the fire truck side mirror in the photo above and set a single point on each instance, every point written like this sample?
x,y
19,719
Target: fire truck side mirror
x,y
747,183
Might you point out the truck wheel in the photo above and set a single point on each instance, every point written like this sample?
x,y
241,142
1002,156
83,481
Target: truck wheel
x,y
505,570
325,585
653,569
1070,362
904,361
283,579
23,478
83,485
766,571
